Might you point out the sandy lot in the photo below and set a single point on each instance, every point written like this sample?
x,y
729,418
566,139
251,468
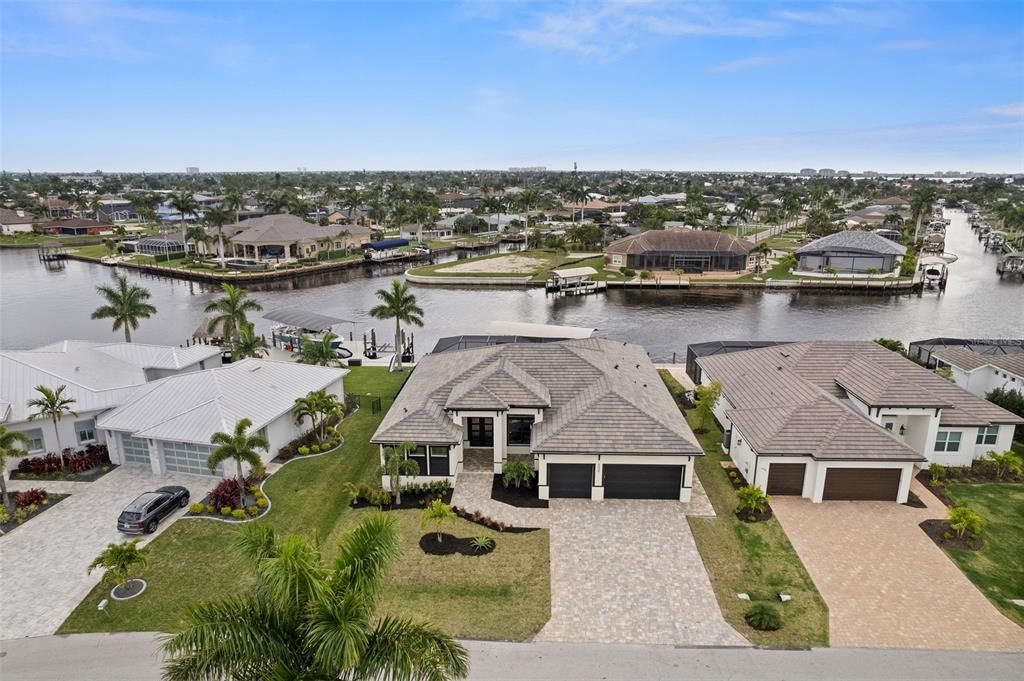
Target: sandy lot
x,y
506,264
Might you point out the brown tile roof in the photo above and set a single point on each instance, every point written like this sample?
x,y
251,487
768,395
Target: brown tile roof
x,y
11,217
968,360
277,229
678,239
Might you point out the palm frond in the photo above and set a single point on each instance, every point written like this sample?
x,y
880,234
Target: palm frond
x,y
256,541
338,632
295,574
364,554
401,649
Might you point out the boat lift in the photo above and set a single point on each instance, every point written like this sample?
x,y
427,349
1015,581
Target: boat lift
x,y
296,327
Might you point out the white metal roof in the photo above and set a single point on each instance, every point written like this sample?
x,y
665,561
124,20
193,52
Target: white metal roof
x,y
191,407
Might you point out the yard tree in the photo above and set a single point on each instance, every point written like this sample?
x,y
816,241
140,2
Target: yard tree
x,y
707,398
318,406
217,217
398,303
892,344
396,465
53,404
1005,462
185,203
119,561
230,312
240,447
310,618
437,513
249,344
126,304
318,351
8,438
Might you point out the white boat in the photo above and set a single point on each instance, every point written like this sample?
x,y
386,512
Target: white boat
x,y
995,241
296,327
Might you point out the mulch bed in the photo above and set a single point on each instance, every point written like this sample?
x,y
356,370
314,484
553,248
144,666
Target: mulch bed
x,y
52,500
737,482
936,530
520,497
450,545
130,589
409,500
755,516
84,476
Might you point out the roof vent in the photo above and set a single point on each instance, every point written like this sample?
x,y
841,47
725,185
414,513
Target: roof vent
x,y
255,369
779,367
616,366
784,354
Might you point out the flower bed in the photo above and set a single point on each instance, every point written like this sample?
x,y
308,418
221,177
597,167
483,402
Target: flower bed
x,y
944,536
451,545
225,503
521,497
415,495
480,519
28,504
85,465
309,444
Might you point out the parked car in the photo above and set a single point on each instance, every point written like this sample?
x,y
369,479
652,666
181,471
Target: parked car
x,y
146,512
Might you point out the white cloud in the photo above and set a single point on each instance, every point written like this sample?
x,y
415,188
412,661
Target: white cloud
x,y
746,63
1012,110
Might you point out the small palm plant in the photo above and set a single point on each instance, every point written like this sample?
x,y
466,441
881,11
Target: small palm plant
x,y
751,499
53,404
120,560
318,351
438,513
240,447
318,406
7,449
1005,462
249,344
396,465
964,520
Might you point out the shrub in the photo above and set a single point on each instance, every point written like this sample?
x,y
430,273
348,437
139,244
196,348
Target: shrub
x,y
225,510
197,508
964,520
1005,462
303,450
253,511
872,270
5,517
830,270
261,502
646,274
938,473
751,499
315,449
628,272
20,515
238,514
482,543
437,513
210,508
734,474
763,617
517,472
30,497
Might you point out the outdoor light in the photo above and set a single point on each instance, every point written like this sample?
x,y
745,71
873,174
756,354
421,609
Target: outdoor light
x,y
903,429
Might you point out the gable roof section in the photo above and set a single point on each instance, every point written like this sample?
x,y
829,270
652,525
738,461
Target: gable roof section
x,y
969,360
879,386
277,228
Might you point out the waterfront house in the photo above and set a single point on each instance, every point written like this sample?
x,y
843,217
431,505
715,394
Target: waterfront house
x,y
850,252
73,227
14,221
980,374
924,351
288,237
99,376
831,420
157,245
591,415
167,424
680,248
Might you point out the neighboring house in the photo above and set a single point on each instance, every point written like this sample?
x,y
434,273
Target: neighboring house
x,y
98,376
850,252
980,374
13,221
161,244
56,208
286,237
831,420
167,424
591,415
679,248
923,351
116,209
73,227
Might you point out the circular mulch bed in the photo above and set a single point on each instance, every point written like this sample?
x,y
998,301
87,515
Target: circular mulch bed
x,y
450,545
754,516
936,530
130,589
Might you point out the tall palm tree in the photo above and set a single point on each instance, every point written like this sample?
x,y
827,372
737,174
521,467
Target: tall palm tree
x,y
126,305
399,304
197,235
7,450
351,199
185,203
248,344
53,404
217,217
921,206
318,406
231,310
240,447
233,201
307,618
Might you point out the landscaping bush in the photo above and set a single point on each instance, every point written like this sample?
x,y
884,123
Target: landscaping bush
x,y
628,272
225,510
938,473
964,520
238,514
482,544
226,492
1010,400
210,508
517,472
197,508
5,517
751,500
40,465
20,515
253,511
261,502
30,497
763,617
1004,462
315,449
303,450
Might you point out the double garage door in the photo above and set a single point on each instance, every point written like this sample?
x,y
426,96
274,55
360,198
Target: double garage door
x,y
862,484
621,481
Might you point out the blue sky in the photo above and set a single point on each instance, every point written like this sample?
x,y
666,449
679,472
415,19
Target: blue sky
x,y
608,84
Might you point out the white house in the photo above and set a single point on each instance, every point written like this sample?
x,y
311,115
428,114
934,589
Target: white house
x,y
167,424
981,374
14,221
591,415
98,376
845,419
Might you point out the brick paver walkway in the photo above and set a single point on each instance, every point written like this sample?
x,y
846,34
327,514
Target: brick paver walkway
x,y
43,562
629,572
885,582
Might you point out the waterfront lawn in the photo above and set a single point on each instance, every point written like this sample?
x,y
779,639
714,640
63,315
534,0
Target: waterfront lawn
x,y
546,261
753,558
996,568
504,598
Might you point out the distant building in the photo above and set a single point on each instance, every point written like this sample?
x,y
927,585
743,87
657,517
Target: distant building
x,y
73,227
686,249
191,170
826,172
809,172
528,169
12,221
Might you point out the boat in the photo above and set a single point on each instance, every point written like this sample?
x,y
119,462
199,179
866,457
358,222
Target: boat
x,y
934,271
934,243
1011,263
296,327
995,241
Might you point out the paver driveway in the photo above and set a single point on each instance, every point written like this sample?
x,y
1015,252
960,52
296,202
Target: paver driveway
x,y
43,563
629,572
885,582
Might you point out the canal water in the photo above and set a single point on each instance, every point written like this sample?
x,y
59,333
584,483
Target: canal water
x,y
39,305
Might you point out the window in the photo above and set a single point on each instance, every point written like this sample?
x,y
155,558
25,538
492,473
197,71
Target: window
x,y
987,435
439,461
35,440
519,428
86,430
947,441
419,455
888,425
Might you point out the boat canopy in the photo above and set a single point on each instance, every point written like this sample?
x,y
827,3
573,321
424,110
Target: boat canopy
x,y
385,244
311,321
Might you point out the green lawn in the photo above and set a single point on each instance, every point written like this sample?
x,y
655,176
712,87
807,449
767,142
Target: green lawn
x,y
547,260
754,558
996,568
504,595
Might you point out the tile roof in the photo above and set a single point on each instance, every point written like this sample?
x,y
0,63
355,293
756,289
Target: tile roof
x,y
854,240
603,396
278,228
13,217
969,360
679,239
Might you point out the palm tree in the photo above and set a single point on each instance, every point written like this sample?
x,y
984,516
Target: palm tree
x,y
396,464
318,351
307,618
398,304
240,447
438,513
233,200
318,406
231,310
921,206
185,203
351,199
197,235
343,235
54,405
248,344
118,560
126,305
7,449
217,217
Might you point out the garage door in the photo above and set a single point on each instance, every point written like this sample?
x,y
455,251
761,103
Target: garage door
x,y
786,478
570,480
862,484
637,481
185,457
135,450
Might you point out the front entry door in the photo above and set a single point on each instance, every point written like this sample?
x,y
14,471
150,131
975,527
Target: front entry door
x,y
481,431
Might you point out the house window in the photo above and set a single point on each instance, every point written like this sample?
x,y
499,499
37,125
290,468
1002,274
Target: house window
x,y
987,435
419,455
439,461
947,441
888,425
35,440
519,428
86,430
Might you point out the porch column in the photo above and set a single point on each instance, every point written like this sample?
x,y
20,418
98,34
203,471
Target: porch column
x,y
156,458
597,486
500,436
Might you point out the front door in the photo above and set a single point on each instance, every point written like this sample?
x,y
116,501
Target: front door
x,y
481,431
